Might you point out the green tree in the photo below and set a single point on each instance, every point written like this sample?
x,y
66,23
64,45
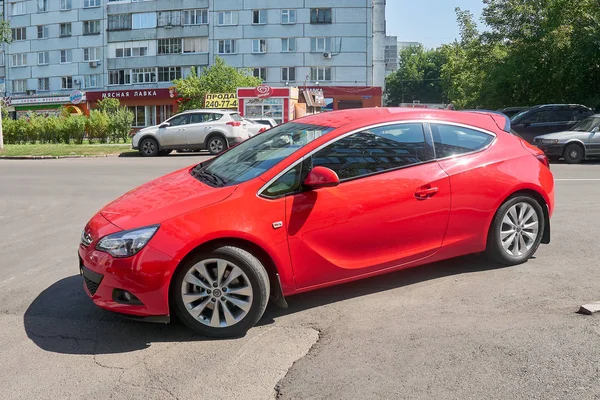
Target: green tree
x,y
98,126
218,78
108,105
418,77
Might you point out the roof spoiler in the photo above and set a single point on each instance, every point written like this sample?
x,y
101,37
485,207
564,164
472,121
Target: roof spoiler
x,y
500,119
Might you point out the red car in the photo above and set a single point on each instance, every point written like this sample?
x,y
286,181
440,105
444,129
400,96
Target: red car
x,y
319,201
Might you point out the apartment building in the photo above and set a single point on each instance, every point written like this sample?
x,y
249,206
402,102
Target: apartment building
x,y
133,50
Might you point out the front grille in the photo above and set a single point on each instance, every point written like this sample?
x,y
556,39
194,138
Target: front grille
x,y
92,287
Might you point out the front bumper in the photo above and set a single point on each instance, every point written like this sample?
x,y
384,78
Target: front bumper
x,y
146,276
553,150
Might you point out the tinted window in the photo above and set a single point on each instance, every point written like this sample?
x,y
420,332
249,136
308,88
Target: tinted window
x,y
375,150
180,120
199,118
563,116
452,140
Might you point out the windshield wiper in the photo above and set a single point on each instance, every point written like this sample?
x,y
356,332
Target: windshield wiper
x,y
207,176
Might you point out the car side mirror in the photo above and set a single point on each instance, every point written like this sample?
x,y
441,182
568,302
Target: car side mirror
x,y
164,125
320,177
596,129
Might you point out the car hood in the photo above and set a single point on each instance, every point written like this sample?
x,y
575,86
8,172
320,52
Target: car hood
x,y
566,135
162,199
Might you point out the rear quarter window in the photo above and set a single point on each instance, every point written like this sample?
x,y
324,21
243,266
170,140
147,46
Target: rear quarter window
x,y
236,117
450,140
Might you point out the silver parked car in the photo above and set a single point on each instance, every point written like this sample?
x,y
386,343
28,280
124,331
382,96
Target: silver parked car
x,y
575,145
212,130
254,128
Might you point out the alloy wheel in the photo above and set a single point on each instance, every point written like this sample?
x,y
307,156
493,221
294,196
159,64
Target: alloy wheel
x,y
519,229
217,293
149,147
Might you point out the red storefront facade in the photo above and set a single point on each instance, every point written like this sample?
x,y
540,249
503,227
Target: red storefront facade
x,y
150,106
268,102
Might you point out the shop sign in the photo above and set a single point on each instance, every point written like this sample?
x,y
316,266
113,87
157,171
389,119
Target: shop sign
x,y
132,94
76,97
40,100
263,91
220,100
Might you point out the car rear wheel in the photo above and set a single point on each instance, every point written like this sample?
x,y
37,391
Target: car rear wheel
x,y
221,293
149,147
573,154
516,231
216,144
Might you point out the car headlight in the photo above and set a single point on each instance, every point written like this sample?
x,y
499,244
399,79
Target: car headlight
x,y
126,243
549,141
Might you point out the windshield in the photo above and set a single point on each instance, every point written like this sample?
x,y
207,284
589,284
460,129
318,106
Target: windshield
x,y
258,154
515,117
587,125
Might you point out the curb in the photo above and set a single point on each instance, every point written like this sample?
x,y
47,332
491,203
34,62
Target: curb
x,y
56,157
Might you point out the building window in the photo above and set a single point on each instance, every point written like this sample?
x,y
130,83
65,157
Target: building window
x,y
67,82
226,46
42,32
91,27
19,60
143,75
66,56
227,18
17,8
119,77
288,16
119,22
139,113
195,45
169,46
43,58
169,74
65,29
43,84
169,18
320,15
259,46
320,74
195,17
259,17
92,53
143,20
320,44
128,49
66,4
19,85
19,34
260,73
91,3
288,74
42,5
1,59
93,81
288,45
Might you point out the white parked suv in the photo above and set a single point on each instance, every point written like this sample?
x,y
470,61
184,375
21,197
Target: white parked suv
x,y
212,130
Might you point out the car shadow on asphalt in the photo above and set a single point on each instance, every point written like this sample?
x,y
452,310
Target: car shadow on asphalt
x,y
62,319
136,154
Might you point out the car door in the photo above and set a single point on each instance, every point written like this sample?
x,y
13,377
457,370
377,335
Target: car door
x,y
593,144
174,134
391,207
197,129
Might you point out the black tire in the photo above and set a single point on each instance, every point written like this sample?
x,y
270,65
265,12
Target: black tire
x,y
573,154
164,152
258,281
216,144
149,147
495,250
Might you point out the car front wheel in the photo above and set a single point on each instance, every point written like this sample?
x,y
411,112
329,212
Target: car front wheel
x,y
573,154
221,293
516,231
149,147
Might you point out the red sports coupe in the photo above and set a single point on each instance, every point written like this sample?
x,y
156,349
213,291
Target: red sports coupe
x,y
318,201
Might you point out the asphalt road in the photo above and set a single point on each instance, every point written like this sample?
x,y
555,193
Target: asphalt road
x,y
462,329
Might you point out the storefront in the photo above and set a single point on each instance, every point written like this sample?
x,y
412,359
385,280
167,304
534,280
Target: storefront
x,y
49,105
345,97
149,106
268,102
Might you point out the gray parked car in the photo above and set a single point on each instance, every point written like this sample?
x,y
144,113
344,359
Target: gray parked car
x,y
213,130
575,145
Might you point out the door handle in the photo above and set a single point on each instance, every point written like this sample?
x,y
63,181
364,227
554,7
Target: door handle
x,y
181,129
425,192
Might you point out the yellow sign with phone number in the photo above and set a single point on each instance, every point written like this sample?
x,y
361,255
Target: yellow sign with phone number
x,y
220,100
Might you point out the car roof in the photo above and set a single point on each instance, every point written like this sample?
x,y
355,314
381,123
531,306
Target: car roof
x,y
557,106
364,116
212,110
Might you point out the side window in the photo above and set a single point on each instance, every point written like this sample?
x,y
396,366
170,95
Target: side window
x,y
450,140
180,120
563,116
375,150
216,117
198,118
287,183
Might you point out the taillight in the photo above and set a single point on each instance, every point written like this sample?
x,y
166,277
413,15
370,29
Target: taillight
x,y
262,130
543,159
234,123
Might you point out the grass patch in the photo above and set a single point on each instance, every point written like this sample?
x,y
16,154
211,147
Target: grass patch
x,y
63,149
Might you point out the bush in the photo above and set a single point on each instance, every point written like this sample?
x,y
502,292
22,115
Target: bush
x,y
74,127
120,124
98,126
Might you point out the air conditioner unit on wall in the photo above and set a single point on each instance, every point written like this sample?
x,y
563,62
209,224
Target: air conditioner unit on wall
x,y
327,55
93,64
77,81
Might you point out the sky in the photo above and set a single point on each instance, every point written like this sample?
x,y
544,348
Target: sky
x,y
430,22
